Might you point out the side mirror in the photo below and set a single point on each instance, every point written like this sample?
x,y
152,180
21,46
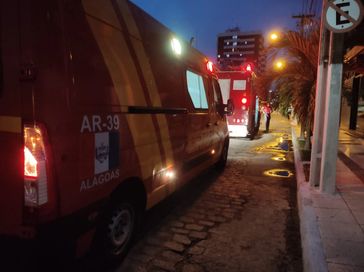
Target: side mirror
x,y
229,108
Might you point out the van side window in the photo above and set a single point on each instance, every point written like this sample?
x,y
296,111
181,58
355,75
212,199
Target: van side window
x,y
196,89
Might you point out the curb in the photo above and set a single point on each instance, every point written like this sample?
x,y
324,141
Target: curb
x,y
313,256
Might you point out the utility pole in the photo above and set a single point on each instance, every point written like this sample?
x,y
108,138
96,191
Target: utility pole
x,y
332,114
303,20
316,150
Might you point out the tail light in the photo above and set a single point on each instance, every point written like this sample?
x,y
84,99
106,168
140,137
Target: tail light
x,y
39,193
35,173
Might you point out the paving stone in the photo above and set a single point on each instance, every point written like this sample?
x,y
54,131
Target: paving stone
x,y
197,215
172,245
166,265
155,269
196,250
172,256
180,231
206,223
177,224
154,241
151,250
194,227
218,219
198,234
224,205
228,215
183,239
211,213
237,203
192,268
187,219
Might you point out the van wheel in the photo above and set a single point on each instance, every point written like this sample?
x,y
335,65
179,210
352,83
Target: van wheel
x,y
221,163
119,229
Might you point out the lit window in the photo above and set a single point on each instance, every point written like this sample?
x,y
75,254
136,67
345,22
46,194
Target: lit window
x,y
227,43
228,55
235,37
246,42
235,43
196,89
219,56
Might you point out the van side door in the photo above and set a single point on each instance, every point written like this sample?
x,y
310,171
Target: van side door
x,y
199,125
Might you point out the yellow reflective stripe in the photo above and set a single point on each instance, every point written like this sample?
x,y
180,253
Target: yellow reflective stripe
x,y
148,76
145,142
119,63
128,17
10,124
102,10
128,89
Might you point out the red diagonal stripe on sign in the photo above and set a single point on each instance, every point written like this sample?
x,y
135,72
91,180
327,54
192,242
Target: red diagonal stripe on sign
x,y
341,12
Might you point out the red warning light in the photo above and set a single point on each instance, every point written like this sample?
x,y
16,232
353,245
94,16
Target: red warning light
x,y
248,67
244,100
210,66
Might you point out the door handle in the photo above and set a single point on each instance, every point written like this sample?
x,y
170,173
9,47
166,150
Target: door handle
x,y
209,124
216,123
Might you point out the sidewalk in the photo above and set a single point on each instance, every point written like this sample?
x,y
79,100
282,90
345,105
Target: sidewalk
x,y
332,226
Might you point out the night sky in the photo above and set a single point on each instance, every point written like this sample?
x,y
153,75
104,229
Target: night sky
x,y
204,19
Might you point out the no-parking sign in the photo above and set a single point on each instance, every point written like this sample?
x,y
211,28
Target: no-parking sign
x,y
343,15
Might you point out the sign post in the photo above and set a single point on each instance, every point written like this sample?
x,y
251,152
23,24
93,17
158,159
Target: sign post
x,y
339,16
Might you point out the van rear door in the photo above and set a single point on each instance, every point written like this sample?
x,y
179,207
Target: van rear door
x,y
11,151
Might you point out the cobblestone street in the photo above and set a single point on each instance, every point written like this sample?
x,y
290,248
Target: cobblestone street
x,y
237,220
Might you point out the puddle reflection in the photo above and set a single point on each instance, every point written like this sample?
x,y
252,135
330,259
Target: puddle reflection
x,y
282,173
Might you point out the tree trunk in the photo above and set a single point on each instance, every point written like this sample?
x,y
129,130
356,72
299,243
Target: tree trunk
x,y
302,134
308,137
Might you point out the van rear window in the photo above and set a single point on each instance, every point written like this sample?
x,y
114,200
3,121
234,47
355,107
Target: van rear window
x,y
196,89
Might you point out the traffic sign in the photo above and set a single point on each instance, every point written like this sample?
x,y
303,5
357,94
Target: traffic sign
x,y
343,15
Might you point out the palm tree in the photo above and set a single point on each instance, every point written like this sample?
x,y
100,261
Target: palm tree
x,y
296,84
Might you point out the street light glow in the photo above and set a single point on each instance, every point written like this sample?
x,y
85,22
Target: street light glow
x,y
274,36
279,64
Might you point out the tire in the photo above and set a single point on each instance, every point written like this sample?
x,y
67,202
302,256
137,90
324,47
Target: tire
x,y
118,230
221,163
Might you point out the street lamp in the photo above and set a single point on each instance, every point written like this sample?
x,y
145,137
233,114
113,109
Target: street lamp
x,y
279,64
273,36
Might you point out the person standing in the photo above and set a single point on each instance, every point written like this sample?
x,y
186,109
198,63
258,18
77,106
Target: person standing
x,y
267,110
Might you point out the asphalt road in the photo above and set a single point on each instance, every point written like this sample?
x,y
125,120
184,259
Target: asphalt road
x,y
243,219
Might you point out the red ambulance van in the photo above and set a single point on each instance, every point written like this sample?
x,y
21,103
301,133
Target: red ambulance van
x,y
103,114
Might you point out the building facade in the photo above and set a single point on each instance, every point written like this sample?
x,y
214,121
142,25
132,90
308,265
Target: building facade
x,y
235,48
